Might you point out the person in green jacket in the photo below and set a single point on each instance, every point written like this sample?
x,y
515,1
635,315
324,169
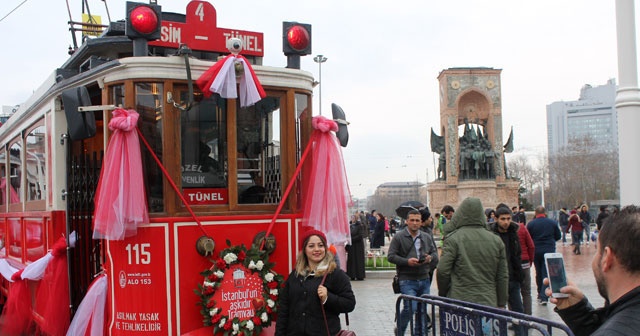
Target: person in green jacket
x,y
473,264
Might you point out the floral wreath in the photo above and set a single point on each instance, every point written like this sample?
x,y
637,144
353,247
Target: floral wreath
x,y
257,261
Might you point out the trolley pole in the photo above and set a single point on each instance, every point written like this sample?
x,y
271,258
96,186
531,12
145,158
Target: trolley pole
x,y
320,59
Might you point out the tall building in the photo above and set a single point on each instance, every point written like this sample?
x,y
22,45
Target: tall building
x,y
389,195
592,116
399,189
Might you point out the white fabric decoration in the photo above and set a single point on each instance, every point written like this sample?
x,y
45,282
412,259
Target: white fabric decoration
x,y
7,270
91,309
35,270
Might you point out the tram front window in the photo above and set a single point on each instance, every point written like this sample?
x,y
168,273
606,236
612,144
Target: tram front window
x,y
204,152
258,139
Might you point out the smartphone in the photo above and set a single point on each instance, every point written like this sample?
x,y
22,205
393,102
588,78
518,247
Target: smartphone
x,y
555,271
422,258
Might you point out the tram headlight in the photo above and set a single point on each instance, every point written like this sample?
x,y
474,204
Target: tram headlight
x,y
234,45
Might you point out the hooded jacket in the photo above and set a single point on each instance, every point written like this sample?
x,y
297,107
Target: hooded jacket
x,y
473,264
563,218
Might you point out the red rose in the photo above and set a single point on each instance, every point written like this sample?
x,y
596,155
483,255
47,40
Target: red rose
x,y
256,320
273,297
242,255
227,325
216,318
208,290
220,264
211,303
272,285
269,310
213,277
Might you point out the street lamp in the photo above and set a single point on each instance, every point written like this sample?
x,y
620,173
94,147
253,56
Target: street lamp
x,y
320,59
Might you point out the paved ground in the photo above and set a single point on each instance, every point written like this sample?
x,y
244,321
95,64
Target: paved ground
x,y
375,308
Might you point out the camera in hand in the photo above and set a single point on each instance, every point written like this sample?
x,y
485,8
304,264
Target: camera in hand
x,y
422,258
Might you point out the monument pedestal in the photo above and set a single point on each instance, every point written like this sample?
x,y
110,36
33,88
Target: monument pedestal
x,y
490,193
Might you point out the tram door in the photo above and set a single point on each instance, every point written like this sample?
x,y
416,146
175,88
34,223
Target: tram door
x,y
84,160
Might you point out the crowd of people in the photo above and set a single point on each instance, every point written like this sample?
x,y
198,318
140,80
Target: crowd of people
x,y
486,257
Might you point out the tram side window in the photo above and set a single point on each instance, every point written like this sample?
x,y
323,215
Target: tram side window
x,y
258,142
15,173
149,106
36,164
3,181
204,151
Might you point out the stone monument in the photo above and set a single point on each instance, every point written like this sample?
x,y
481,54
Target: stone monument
x,y
470,147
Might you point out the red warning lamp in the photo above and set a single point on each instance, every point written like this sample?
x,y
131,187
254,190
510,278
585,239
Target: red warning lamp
x,y
296,39
143,21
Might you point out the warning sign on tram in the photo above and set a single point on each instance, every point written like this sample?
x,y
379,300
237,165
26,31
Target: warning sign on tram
x,y
139,290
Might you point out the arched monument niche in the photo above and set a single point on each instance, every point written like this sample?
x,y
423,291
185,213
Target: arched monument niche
x,y
470,148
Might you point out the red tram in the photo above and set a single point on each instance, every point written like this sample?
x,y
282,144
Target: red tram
x,y
230,163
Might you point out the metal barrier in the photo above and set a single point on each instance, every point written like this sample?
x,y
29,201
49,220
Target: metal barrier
x,y
457,317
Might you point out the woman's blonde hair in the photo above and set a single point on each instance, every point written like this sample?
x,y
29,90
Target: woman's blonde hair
x,y
327,264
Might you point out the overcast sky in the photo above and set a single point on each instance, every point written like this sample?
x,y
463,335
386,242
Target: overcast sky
x,y
383,61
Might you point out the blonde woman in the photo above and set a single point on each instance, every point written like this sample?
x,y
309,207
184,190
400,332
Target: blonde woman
x,y
303,297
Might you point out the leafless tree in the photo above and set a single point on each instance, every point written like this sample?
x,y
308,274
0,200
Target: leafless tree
x,y
583,172
522,168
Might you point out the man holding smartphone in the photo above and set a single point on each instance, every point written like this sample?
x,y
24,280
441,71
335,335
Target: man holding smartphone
x,y
616,268
414,253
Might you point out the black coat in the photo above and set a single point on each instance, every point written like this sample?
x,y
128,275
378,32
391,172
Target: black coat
x,y
299,312
513,249
377,240
355,256
601,217
618,318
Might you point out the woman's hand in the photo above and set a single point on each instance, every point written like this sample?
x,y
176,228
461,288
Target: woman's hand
x,y
322,293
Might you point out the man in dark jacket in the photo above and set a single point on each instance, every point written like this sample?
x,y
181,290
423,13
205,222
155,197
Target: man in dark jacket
x,y
507,230
521,216
585,217
414,253
604,213
563,220
545,233
616,268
